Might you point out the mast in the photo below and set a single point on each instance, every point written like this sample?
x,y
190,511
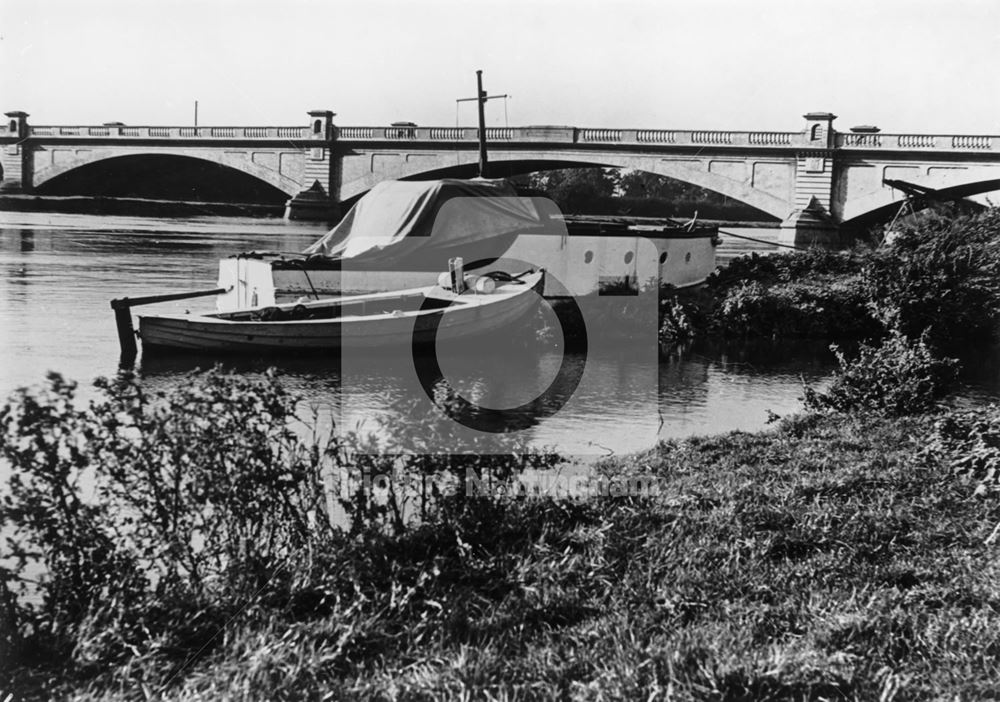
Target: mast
x,y
481,98
481,104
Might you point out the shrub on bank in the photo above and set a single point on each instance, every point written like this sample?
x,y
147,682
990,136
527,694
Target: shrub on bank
x,y
791,310
155,518
150,514
899,377
940,274
679,319
788,267
810,294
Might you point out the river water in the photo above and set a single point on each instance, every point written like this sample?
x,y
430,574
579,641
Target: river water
x,y
58,273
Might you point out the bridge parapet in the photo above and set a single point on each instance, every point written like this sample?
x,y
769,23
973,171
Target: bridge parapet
x,y
551,134
575,135
459,134
918,142
74,133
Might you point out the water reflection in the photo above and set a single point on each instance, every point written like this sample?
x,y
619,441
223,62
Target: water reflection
x,y
697,389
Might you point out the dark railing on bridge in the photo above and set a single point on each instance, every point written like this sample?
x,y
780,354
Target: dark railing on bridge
x,y
538,134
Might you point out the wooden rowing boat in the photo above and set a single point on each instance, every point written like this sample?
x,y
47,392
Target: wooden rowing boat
x,y
374,320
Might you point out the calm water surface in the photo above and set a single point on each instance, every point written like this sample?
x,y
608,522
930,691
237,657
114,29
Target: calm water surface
x,y
59,271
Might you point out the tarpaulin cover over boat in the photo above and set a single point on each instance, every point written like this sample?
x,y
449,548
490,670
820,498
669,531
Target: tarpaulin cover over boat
x,y
397,220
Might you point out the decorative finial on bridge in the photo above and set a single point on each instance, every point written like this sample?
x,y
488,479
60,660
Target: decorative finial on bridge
x,y
321,124
17,124
819,129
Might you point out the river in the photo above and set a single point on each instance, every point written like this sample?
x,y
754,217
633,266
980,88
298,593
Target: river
x,y
59,271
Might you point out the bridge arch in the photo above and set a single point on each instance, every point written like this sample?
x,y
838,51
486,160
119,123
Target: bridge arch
x,y
881,203
518,163
47,176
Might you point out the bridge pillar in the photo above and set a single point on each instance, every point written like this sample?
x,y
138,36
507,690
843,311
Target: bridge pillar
x,y
13,154
811,222
810,226
317,202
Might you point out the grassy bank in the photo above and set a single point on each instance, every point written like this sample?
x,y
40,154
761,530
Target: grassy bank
x,y
835,556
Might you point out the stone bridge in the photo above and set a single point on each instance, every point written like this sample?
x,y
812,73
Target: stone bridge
x,y
815,180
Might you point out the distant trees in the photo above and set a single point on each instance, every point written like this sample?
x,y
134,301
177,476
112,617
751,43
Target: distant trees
x,y
615,191
642,184
577,189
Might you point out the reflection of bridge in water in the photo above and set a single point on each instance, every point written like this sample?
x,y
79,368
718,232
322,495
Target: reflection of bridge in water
x,y
815,181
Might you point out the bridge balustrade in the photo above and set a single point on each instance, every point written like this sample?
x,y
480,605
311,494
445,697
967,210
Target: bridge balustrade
x,y
498,133
447,133
938,142
712,138
862,140
250,133
656,136
972,142
771,138
916,141
356,132
606,135
537,134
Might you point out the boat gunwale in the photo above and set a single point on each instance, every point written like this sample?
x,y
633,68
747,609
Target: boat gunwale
x,y
472,302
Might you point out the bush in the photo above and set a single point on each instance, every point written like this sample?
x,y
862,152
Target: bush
x,y
941,274
787,267
897,378
145,511
969,441
679,321
804,294
156,519
833,309
752,309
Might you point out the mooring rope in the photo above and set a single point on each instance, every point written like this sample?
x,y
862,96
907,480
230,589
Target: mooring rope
x,y
762,241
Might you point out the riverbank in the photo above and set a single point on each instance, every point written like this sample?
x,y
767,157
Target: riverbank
x,y
940,274
135,207
835,555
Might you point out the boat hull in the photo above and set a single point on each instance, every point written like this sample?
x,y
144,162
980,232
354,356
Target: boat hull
x,y
576,265
212,333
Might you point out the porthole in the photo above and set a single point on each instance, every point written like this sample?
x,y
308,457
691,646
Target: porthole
x,y
588,257
687,257
629,256
663,258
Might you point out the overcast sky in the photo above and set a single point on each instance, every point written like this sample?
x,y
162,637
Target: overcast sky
x,y
918,66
